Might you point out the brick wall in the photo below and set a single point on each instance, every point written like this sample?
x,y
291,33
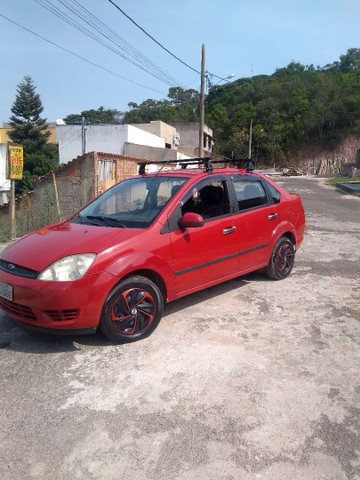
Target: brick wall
x,y
67,189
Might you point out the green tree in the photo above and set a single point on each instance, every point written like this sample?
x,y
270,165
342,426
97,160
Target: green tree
x,y
180,106
92,116
350,60
30,130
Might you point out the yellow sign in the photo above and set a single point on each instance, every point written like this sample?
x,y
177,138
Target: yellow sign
x,y
16,161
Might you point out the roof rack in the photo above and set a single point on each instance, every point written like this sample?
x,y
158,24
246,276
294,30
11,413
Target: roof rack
x,y
208,163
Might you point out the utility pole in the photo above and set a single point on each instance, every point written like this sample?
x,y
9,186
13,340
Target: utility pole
x,y
12,211
250,138
202,103
83,136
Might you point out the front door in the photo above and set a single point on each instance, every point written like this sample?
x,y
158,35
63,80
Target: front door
x,y
202,256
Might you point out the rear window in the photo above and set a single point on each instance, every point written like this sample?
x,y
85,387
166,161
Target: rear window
x,y
249,194
275,194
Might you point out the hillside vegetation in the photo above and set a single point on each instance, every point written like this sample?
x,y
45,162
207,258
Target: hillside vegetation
x,y
295,107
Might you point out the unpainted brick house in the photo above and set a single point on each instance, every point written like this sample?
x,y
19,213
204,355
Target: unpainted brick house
x,y
60,193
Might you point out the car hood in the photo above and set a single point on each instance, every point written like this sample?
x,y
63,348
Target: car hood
x,y
39,249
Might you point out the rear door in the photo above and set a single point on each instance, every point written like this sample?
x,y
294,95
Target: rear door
x,y
256,220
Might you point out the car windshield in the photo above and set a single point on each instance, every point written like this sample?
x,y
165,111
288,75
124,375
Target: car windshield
x,y
133,203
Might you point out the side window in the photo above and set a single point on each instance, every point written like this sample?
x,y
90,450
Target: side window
x,y
210,200
249,194
274,193
166,190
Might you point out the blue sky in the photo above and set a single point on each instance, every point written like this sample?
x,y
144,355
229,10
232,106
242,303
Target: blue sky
x,y
241,37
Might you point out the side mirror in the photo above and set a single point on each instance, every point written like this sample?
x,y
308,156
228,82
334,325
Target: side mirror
x,y
191,220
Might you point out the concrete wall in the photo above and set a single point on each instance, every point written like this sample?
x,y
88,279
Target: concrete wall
x,y
150,153
189,137
4,134
68,188
101,138
163,130
136,135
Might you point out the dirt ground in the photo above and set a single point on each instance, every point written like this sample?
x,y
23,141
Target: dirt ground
x,y
249,380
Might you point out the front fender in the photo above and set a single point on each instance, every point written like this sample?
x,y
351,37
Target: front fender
x,y
132,263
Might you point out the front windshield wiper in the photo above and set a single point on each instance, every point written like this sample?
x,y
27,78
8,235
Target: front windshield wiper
x,y
101,220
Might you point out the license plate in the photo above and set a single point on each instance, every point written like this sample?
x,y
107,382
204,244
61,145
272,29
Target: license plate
x,y
6,291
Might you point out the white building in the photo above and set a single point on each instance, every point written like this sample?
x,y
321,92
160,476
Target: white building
x,y
4,181
74,140
155,140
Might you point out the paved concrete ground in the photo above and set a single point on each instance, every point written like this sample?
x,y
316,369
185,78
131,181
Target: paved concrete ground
x,y
253,379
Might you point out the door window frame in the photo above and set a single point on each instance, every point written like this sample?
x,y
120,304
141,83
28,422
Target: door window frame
x,y
251,179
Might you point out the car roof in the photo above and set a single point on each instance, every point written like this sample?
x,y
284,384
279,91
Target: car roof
x,y
199,172
200,165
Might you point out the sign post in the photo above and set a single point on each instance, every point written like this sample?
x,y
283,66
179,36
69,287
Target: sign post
x,y
15,155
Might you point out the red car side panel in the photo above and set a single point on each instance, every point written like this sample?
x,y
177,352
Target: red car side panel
x,y
257,229
204,254
141,261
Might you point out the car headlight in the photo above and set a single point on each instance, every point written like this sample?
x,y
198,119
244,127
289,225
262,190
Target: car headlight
x,y
68,268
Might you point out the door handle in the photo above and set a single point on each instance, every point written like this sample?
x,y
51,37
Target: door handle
x,y
228,230
272,216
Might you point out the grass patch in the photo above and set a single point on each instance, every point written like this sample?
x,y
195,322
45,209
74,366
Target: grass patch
x,y
334,181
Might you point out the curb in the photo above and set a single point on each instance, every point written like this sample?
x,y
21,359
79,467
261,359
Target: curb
x,y
346,187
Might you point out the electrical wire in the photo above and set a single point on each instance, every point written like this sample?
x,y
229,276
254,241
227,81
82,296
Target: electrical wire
x,y
112,34
68,135
130,53
77,135
79,56
160,45
152,38
85,31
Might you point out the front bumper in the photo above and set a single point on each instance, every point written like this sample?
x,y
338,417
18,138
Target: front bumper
x,y
59,306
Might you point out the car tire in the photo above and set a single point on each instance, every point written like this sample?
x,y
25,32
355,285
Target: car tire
x,y
282,259
132,310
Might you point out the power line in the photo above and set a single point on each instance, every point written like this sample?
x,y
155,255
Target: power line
x,y
152,38
130,49
146,66
162,46
77,135
79,56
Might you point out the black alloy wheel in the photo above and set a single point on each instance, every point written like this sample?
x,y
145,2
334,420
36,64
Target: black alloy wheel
x,y
282,259
132,310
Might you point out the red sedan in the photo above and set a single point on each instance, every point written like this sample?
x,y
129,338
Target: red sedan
x,y
149,240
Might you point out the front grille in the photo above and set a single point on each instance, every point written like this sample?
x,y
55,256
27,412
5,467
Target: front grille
x,y
18,270
17,310
61,315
